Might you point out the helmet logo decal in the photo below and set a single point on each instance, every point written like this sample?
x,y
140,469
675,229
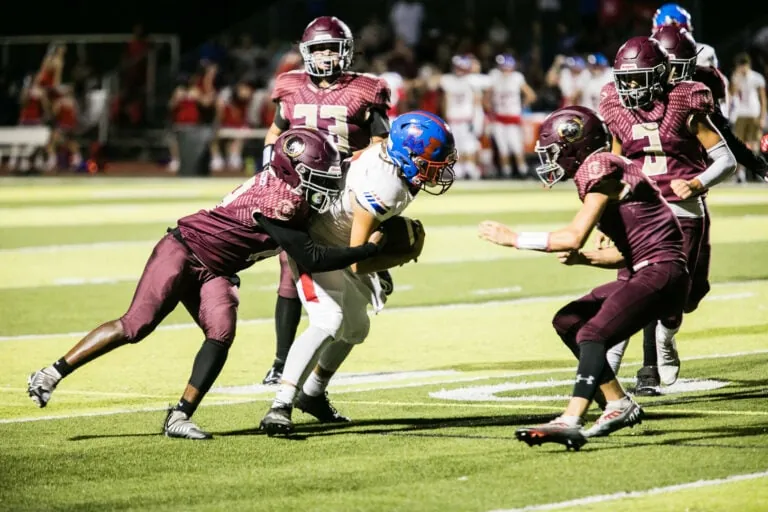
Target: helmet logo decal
x,y
571,130
434,145
293,147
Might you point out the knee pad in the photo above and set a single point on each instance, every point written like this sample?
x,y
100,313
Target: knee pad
x,y
357,333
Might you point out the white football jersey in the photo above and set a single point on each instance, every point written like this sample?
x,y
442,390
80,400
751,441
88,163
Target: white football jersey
x,y
460,93
590,95
706,56
506,91
372,181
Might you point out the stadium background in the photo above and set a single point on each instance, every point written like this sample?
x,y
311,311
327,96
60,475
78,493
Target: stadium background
x,y
122,83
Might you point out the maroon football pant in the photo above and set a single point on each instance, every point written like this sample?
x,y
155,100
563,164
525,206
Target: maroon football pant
x,y
287,286
172,275
699,270
615,311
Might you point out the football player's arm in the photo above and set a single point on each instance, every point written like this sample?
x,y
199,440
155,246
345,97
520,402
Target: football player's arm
x,y
279,125
608,257
363,224
378,120
616,148
571,238
743,155
311,256
722,165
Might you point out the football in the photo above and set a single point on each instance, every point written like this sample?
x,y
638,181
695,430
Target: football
x,y
404,236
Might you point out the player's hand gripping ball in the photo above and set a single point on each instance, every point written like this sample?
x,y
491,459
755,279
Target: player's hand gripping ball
x,y
403,237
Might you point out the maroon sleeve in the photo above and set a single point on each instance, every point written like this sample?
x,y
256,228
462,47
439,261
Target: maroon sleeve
x,y
286,83
609,107
700,99
714,79
275,200
595,170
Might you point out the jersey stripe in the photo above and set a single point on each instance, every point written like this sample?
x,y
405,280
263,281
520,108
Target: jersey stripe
x,y
376,203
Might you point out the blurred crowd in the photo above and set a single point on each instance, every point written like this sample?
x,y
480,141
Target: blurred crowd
x,y
227,82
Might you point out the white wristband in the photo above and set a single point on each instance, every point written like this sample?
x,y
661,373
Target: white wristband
x,y
266,156
533,240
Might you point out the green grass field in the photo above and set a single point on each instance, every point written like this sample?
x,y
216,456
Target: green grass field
x,y
462,355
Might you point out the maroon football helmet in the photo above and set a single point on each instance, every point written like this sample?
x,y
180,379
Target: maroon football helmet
x,y
640,71
307,160
327,47
681,47
566,138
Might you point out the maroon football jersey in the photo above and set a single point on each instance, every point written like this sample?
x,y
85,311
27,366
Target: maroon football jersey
x,y
658,139
227,239
640,223
714,80
340,110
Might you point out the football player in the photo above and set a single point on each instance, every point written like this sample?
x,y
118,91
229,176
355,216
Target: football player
x,y
574,142
505,99
681,47
197,263
380,183
350,107
673,14
462,107
666,129
599,75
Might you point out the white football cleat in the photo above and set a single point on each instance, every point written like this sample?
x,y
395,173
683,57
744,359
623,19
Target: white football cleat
x,y
40,385
177,424
626,414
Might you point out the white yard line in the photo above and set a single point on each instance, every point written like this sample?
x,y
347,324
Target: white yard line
x,y
336,391
602,498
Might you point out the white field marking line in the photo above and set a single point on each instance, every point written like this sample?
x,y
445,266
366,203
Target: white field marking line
x,y
602,498
116,411
429,404
495,291
393,310
732,296
77,247
496,405
115,394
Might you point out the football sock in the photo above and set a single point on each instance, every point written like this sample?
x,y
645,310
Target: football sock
x,y
315,385
649,345
615,354
208,363
303,354
63,367
284,396
619,404
592,370
664,334
571,421
187,408
506,170
287,318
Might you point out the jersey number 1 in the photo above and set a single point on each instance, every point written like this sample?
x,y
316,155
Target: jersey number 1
x,y
338,113
655,162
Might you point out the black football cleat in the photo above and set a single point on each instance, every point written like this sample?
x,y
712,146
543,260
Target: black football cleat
x,y
553,432
319,407
277,421
648,382
274,375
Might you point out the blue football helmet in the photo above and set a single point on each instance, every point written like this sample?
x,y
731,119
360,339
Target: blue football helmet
x,y
505,61
672,14
421,144
597,59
